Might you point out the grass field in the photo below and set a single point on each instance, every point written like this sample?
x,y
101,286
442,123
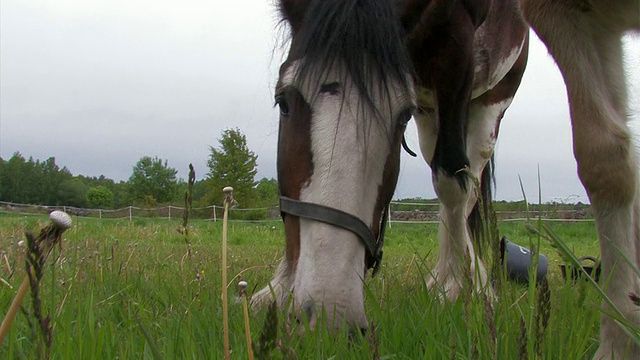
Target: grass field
x,y
127,290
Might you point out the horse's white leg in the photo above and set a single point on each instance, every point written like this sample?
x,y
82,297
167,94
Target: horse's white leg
x,y
484,117
586,44
485,114
482,133
453,232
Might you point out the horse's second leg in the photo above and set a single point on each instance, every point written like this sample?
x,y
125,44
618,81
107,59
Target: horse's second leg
x,y
484,115
454,245
442,131
457,261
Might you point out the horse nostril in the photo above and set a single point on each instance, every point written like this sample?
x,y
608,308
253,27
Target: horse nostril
x,y
306,315
354,335
308,308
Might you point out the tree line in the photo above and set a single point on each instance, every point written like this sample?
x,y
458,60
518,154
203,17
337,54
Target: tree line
x,y
152,182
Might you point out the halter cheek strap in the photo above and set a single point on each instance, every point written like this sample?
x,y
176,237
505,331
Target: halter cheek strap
x,y
342,220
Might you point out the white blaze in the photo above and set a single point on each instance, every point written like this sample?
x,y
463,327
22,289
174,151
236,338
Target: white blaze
x,y
348,155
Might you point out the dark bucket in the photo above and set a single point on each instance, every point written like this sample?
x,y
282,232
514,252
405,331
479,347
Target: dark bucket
x,y
518,261
593,269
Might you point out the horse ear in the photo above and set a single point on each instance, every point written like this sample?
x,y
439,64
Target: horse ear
x,y
293,12
409,12
418,18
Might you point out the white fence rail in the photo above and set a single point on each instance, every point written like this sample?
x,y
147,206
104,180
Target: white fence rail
x,y
169,212
214,212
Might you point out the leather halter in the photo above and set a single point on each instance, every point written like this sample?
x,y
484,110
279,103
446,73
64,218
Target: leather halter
x,y
342,220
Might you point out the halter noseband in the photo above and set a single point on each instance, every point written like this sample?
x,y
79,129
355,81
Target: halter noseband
x,y
342,220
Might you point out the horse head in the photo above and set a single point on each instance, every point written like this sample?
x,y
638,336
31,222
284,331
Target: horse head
x,y
345,96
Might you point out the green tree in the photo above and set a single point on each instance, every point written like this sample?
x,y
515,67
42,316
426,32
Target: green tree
x,y
232,164
268,192
100,197
121,194
48,175
2,172
19,184
33,181
72,192
200,189
153,181
98,181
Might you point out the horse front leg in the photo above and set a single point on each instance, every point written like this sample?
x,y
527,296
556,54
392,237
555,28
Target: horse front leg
x,y
442,124
608,168
588,51
455,250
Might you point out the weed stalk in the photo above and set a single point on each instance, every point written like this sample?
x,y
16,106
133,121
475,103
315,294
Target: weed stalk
x,y
228,199
269,334
242,285
543,313
188,206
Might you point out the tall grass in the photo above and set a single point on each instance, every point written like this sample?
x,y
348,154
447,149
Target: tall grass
x,y
120,290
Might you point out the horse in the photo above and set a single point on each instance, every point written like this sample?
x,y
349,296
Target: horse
x,y
357,72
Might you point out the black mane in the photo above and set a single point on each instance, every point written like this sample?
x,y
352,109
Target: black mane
x,y
366,37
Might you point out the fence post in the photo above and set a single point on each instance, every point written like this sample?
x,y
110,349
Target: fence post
x,y
100,214
130,213
169,212
214,214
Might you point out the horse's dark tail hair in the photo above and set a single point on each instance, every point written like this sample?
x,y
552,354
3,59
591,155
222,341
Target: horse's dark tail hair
x,y
480,218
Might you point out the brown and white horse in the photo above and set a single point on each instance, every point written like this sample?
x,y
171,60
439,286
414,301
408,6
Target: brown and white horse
x,y
358,70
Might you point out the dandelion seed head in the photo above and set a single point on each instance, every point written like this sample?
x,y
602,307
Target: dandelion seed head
x,y
61,219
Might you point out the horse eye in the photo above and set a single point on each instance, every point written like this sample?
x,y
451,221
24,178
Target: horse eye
x,y
283,105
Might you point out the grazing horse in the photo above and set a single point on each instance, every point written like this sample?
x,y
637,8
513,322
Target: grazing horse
x,y
585,39
357,71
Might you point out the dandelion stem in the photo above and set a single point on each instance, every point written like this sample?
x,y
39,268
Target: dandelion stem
x,y
13,309
6,263
44,243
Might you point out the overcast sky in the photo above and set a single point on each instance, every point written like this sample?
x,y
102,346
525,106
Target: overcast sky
x,y
99,84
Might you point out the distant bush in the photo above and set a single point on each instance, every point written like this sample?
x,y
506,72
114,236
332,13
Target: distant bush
x,y
100,197
258,214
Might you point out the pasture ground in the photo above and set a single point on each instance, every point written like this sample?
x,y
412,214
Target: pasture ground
x,y
122,290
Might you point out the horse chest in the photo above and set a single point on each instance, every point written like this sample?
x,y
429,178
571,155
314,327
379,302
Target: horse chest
x,y
488,72
490,69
